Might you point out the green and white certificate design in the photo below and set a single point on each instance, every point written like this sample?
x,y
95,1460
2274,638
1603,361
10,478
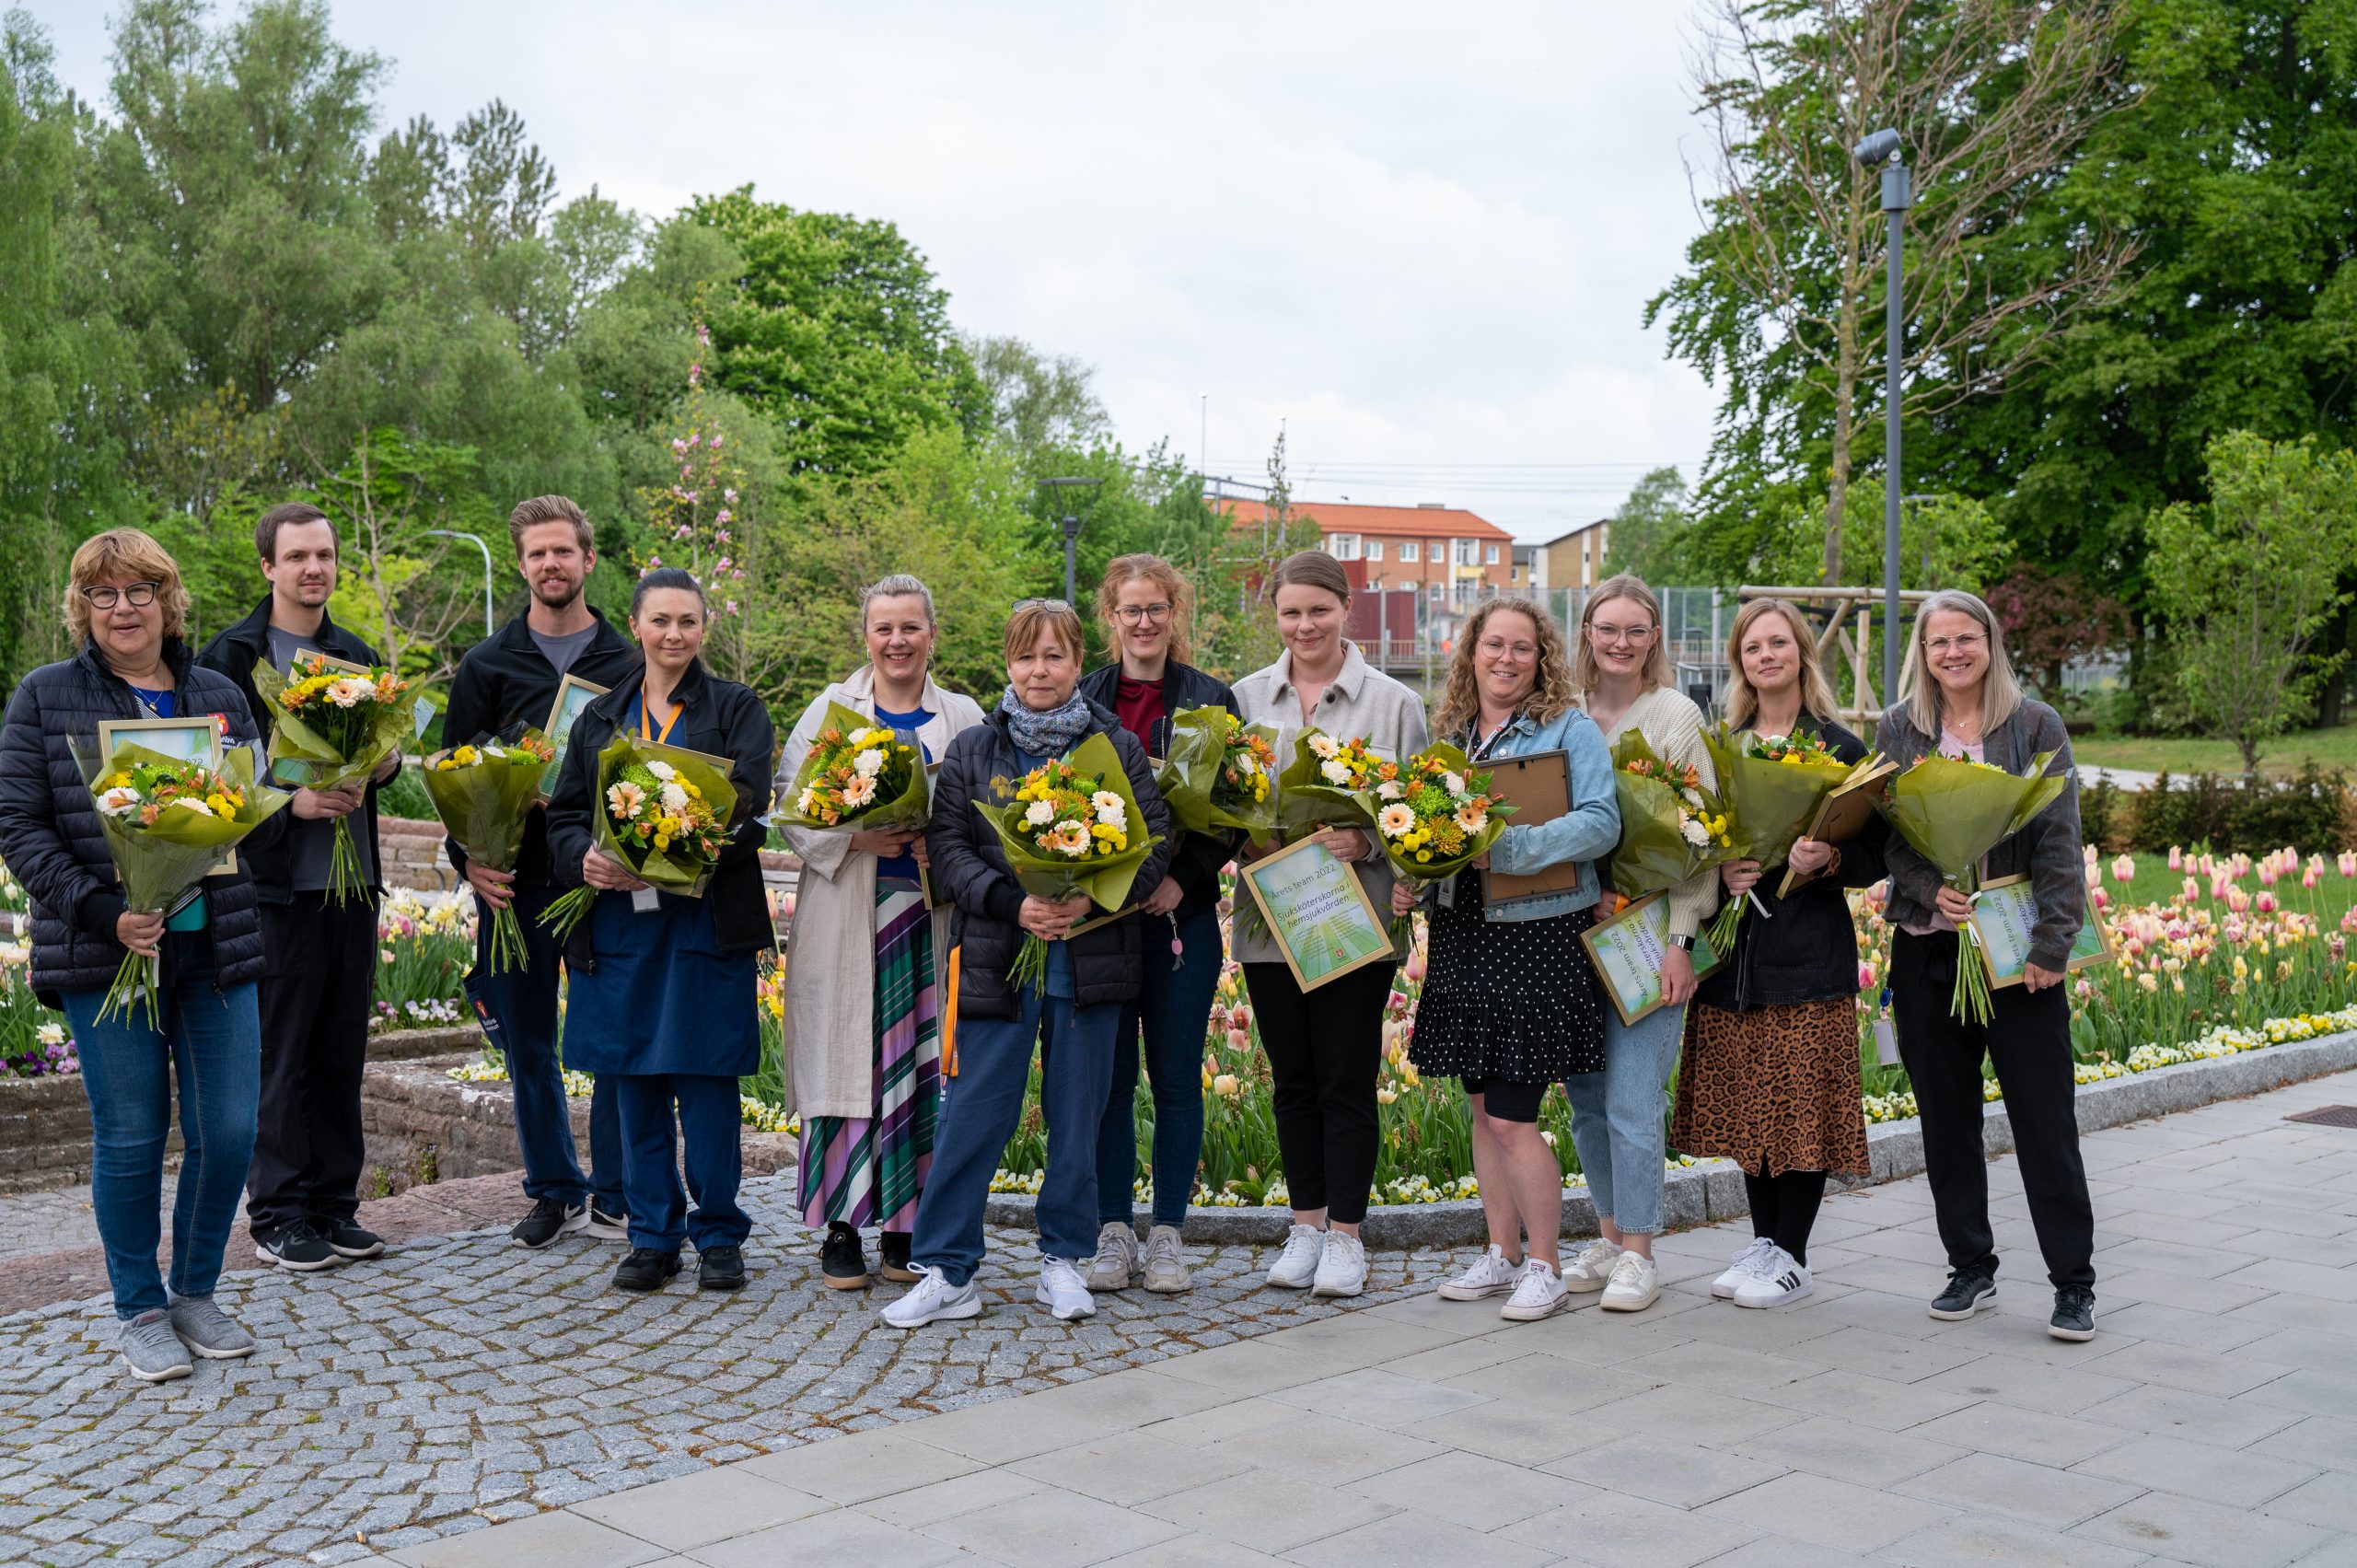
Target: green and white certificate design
x,y
1627,951
1318,913
2005,913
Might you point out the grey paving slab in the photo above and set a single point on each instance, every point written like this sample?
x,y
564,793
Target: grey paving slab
x,y
1050,1529
2036,1494
560,1539
1613,1531
2199,1470
1128,1468
1267,1510
696,1510
1836,1515
843,1535
1985,1541
1471,1490
2187,1530
1412,1540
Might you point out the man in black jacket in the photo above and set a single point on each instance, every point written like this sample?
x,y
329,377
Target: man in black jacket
x,y
320,958
508,683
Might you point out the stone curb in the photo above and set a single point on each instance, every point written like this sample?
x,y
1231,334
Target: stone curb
x,y
1712,1191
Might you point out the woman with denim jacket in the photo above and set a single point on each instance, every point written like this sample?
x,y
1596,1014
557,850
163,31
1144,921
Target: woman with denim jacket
x,y
1511,1003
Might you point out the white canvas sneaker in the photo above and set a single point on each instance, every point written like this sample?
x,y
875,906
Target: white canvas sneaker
x,y
1538,1294
1341,1267
1780,1280
1117,1257
1591,1266
1746,1264
1490,1275
930,1300
1297,1264
1635,1284
1062,1291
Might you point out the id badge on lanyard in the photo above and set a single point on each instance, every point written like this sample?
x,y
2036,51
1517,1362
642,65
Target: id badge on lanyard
x,y
646,900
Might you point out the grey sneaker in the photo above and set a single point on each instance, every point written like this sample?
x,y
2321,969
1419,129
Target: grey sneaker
x,y
1165,1272
209,1331
1117,1257
152,1351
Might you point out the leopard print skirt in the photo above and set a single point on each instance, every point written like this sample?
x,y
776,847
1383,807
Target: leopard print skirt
x,y
1772,1088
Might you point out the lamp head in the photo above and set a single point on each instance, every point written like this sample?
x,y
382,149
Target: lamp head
x,y
1880,147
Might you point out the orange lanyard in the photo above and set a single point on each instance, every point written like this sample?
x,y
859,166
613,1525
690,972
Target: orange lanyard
x,y
645,719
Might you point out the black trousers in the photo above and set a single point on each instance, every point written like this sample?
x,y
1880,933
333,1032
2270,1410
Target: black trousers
x,y
2027,1039
318,973
1325,1047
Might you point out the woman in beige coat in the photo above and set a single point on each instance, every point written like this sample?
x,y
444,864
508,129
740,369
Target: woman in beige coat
x,y
864,998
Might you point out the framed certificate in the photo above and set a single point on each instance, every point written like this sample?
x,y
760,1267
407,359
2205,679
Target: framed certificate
x,y
1627,951
573,694
331,661
2005,913
196,738
1318,911
1842,816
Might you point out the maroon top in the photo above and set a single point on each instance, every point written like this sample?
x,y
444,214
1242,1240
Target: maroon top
x,y
1138,704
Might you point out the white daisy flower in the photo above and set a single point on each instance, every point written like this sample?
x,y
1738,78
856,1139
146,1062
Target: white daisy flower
x,y
1453,783
1388,790
1396,820
1324,745
867,765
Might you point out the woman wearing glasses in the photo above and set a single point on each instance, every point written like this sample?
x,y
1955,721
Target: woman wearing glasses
x,y
1145,605
1511,1004
126,610
1965,703
1617,1114
1324,1048
868,958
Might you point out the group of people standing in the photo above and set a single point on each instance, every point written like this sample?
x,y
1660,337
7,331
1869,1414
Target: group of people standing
x,y
904,941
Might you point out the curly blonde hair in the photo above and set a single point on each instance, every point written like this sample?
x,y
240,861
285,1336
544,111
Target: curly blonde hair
x,y
124,555
1551,692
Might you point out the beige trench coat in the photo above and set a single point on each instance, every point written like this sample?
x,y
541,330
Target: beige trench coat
x,y
831,967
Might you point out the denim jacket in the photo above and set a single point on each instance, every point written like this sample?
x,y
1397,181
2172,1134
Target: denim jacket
x,y
1584,833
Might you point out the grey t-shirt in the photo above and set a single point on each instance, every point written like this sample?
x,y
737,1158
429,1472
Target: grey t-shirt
x,y
562,651
311,844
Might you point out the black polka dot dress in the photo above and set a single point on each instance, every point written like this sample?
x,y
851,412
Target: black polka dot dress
x,y
1514,1000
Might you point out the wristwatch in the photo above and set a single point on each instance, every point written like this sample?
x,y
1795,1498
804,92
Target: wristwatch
x,y
1687,942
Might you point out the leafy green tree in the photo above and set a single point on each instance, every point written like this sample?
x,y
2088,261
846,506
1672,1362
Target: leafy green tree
x,y
1037,403
1647,529
2248,579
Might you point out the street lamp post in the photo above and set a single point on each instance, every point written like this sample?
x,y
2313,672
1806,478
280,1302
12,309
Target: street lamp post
x,y
1883,148
1072,534
479,544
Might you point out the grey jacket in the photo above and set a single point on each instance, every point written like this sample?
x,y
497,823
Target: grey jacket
x,y
2047,850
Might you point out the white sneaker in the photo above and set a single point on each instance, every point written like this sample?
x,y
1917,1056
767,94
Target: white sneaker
x,y
1160,1269
1341,1267
931,1299
1117,1257
1538,1294
1489,1275
1297,1264
1635,1284
1746,1264
1780,1280
1591,1266
1062,1291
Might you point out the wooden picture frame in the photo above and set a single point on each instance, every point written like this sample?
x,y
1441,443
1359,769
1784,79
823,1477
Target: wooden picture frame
x,y
1368,930
331,661
134,730
573,694
2095,945
1633,928
1842,816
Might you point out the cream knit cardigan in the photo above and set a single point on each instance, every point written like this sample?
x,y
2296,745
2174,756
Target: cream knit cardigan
x,y
1672,725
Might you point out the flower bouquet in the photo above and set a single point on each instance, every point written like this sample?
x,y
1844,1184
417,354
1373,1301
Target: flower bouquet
x,y
1328,781
483,791
1440,819
1772,787
1952,810
1670,827
1221,773
1069,827
663,811
340,725
858,775
167,822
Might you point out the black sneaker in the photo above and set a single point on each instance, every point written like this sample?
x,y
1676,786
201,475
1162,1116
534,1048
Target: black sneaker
x,y
645,1270
297,1247
720,1268
605,1224
1968,1291
896,1268
348,1238
2074,1313
549,1218
841,1263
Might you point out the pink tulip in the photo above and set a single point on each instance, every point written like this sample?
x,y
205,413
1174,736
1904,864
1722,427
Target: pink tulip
x,y
1415,969
2309,876
2102,899
2124,868
2267,871
2192,889
2238,900
2176,858
2347,860
2266,903
2084,989
1238,1040
1865,977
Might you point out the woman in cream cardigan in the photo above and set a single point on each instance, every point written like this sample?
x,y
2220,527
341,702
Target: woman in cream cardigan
x,y
864,976
1618,1114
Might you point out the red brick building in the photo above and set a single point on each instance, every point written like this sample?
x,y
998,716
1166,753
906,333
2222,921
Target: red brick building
x,y
1447,554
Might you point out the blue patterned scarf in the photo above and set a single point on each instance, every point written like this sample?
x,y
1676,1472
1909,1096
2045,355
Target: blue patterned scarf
x,y
1050,734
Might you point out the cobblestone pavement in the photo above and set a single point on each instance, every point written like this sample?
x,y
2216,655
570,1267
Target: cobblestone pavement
x,y
34,1222
461,1380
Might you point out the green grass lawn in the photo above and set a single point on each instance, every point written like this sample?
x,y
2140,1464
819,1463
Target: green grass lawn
x,y
2335,748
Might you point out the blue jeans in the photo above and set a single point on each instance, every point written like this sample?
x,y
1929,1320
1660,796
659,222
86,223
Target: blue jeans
x,y
709,1123
1173,1009
211,1041
517,1012
980,1108
1617,1117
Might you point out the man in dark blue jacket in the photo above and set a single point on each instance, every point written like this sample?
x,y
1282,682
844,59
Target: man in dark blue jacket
x,y
508,683
320,956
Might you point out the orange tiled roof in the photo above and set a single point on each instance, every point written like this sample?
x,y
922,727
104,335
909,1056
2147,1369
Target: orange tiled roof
x,y
1388,522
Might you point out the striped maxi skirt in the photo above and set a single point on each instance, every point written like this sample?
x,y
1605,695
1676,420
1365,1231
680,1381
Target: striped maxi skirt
x,y
868,1170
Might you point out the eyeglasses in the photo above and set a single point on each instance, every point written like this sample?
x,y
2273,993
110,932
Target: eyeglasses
x,y
1134,614
1965,644
107,596
1056,604
1498,647
1604,633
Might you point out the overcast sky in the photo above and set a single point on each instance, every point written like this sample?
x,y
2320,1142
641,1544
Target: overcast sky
x,y
1422,237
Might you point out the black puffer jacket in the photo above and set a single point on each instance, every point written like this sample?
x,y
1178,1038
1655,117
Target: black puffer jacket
x,y
968,866
1200,857
49,825
1807,947
719,718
